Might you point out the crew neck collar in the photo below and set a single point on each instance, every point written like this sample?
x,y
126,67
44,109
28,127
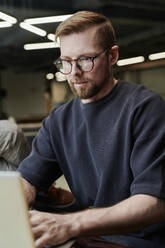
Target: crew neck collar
x,y
101,100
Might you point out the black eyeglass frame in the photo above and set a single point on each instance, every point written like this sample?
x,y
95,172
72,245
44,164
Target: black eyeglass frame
x,y
92,58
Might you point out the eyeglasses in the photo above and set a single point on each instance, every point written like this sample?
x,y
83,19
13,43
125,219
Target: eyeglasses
x,y
84,63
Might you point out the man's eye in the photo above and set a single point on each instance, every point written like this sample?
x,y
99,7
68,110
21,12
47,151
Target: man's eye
x,y
84,58
66,61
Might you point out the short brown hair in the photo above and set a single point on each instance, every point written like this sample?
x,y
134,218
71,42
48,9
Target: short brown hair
x,y
83,20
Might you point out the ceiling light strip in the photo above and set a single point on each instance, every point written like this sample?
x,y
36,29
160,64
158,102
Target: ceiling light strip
x,y
48,19
51,37
7,18
5,24
43,45
130,61
33,29
155,56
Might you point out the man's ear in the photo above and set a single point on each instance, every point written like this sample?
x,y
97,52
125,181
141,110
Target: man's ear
x,y
114,54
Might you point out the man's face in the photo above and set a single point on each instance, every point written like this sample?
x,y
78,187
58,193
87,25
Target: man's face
x,y
88,86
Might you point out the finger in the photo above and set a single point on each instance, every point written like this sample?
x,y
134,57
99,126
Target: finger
x,y
37,231
42,241
35,218
33,212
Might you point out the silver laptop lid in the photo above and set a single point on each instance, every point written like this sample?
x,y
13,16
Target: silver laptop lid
x,y
15,230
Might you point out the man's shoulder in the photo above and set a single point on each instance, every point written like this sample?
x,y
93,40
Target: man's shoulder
x,y
135,87
138,92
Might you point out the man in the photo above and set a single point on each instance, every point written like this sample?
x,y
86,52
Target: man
x,y
109,142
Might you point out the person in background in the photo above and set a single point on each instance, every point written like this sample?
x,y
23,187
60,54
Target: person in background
x,y
109,142
14,146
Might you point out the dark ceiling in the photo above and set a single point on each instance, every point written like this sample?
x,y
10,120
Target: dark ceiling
x,y
139,25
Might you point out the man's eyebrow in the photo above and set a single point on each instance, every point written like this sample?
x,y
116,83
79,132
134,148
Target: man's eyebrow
x,y
65,57
91,54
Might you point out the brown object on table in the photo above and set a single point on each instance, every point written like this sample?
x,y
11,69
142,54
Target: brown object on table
x,y
59,196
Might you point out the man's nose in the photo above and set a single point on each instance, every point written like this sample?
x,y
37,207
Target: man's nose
x,y
75,68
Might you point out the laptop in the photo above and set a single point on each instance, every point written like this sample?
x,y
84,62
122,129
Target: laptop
x,y
15,229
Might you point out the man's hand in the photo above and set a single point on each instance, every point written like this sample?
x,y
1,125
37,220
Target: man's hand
x,y
49,229
132,214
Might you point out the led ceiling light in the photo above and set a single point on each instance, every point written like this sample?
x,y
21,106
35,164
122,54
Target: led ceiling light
x,y
51,37
43,45
155,56
48,19
33,29
7,18
5,24
49,76
130,61
60,77
27,24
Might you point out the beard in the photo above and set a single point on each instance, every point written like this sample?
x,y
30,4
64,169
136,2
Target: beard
x,y
85,91
92,87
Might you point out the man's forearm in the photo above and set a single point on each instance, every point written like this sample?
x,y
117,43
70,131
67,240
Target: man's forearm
x,y
130,215
29,190
127,216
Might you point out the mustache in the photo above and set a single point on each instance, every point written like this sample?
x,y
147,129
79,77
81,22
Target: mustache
x,y
79,80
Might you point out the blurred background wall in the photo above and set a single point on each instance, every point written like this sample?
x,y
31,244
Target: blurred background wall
x,y
29,85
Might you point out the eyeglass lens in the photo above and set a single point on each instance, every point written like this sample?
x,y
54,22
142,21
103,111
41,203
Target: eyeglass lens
x,y
65,66
85,64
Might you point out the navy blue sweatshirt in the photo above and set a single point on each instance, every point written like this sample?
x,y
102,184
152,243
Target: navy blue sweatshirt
x,y
108,150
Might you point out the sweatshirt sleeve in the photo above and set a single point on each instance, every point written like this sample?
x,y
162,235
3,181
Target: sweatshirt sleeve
x,y
148,154
41,168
